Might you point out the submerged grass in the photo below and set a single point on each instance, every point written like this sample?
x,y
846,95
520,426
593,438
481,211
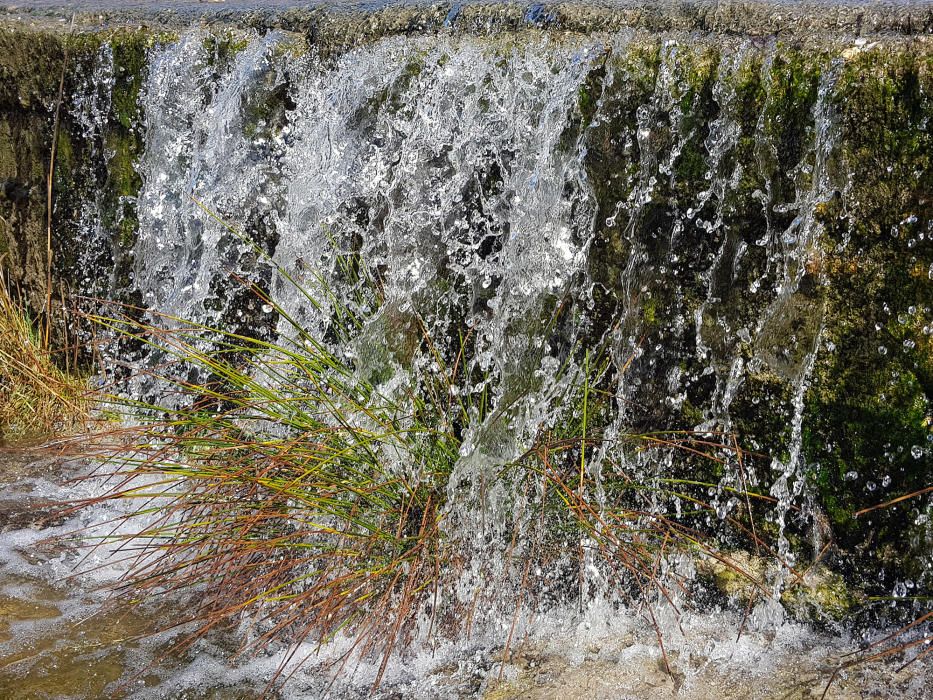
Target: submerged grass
x,y
38,398
287,493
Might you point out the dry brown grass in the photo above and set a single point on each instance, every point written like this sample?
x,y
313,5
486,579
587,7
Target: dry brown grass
x,y
38,399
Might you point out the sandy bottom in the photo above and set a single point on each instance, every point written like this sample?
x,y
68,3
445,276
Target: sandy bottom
x,y
803,676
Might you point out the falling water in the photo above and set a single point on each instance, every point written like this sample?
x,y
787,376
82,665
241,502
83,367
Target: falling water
x,y
454,167
461,173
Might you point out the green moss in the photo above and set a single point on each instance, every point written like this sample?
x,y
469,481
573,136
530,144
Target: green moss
x,y
590,91
820,594
222,47
869,407
123,139
698,108
793,81
123,151
129,65
624,83
691,414
64,153
739,577
649,311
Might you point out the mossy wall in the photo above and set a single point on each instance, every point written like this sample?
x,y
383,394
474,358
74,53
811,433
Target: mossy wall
x,y
861,295
83,89
869,424
705,157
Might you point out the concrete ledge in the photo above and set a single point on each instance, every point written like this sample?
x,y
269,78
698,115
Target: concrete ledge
x,y
340,22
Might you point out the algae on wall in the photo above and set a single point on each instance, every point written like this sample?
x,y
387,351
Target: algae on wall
x,y
98,141
861,297
869,424
723,137
722,132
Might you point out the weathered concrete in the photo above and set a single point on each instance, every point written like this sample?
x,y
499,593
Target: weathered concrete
x,y
374,19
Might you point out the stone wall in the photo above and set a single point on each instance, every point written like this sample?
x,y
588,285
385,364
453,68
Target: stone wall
x,y
842,355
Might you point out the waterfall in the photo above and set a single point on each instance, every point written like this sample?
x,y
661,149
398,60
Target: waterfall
x,y
483,336
459,170
625,254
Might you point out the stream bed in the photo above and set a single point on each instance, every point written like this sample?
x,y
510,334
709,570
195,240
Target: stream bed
x,y
61,637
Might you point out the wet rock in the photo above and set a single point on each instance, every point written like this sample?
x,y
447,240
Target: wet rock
x,y
819,594
29,512
810,593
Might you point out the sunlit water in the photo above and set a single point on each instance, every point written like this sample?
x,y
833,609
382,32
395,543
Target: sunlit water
x,y
449,165
58,638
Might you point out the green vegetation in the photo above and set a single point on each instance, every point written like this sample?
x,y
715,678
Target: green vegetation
x,y
283,482
868,428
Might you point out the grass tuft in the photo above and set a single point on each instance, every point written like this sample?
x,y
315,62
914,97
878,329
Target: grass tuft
x,y
38,399
282,490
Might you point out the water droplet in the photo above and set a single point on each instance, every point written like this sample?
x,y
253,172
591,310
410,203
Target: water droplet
x,y
916,451
882,350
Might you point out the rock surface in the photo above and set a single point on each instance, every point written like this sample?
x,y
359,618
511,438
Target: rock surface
x,y
859,308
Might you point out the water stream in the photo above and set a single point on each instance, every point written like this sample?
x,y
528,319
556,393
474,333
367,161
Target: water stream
x,y
469,177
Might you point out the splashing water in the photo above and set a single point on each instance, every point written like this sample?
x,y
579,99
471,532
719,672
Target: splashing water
x,y
451,187
452,167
